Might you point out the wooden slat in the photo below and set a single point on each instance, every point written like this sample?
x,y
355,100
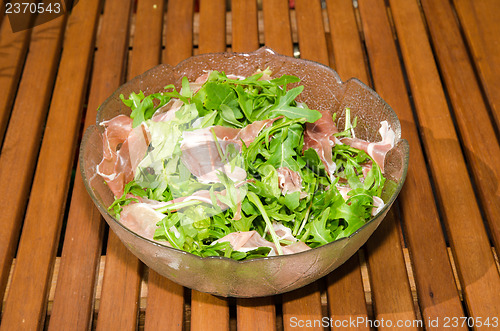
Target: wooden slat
x,y
2,14
179,23
390,288
26,302
347,48
148,35
83,239
481,25
345,284
277,28
481,147
212,26
346,296
165,304
312,40
433,273
118,307
13,52
468,238
209,312
302,306
256,314
305,303
159,315
244,25
22,140
179,34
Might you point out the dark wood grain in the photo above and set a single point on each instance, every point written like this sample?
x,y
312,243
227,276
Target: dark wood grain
x,y
468,239
302,306
481,147
244,25
480,23
305,303
209,312
118,307
84,229
165,304
256,314
390,288
345,37
277,29
436,288
179,34
26,302
311,32
212,26
346,297
159,315
13,48
22,139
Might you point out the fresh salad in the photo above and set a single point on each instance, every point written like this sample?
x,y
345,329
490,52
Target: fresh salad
x,y
235,166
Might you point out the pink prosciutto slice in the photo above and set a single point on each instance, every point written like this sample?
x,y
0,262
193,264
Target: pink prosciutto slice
x,y
290,181
319,136
141,218
246,241
377,150
123,149
167,112
201,156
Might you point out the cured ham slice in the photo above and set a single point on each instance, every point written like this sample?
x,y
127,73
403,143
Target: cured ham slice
x,y
123,149
319,136
378,204
167,112
283,232
376,150
201,156
141,218
246,241
290,181
117,130
343,191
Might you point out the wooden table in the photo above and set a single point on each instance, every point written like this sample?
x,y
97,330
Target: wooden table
x,y
434,260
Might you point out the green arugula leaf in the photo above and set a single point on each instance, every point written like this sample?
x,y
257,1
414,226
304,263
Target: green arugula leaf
x,y
318,229
217,95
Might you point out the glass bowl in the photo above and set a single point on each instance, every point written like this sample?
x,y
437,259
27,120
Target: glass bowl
x,y
324,91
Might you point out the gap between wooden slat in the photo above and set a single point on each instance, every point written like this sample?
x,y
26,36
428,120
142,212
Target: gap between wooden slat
x,y
366,283
144,286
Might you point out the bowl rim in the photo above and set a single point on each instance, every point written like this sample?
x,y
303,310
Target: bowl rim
x,y
103,209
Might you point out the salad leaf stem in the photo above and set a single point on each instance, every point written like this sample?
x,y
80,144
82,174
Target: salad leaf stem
x,y
172,241
304,221
219,149
177,206
256,201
